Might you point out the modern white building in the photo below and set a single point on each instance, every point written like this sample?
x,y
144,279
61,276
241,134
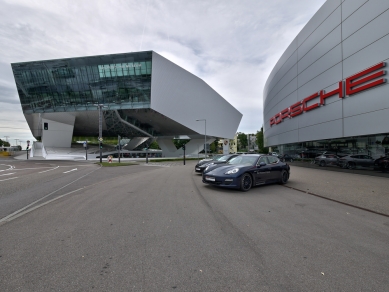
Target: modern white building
x,y
328,91
144,97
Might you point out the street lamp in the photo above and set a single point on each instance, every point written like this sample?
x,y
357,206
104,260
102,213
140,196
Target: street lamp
x,y
205,136
28,146
100,106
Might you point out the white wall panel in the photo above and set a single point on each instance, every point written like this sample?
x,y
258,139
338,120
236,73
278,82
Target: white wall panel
x,y
350,6
333,39
284,81
367,57
374,99
326,113
330,51
367,35
287,90
369,12
321,15
369,123
330,76
284,138
286,102
271,81
328,130
183,97
327,61
320,33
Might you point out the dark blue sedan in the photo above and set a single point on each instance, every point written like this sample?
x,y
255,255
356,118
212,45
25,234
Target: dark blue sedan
x,y
246,171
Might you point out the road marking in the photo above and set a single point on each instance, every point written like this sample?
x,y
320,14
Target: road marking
x,y
70,170
7,174
10,167
33,203
21,213
49,169
8,178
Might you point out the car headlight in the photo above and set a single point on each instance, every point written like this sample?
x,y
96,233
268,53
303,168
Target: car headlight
x,y
231,171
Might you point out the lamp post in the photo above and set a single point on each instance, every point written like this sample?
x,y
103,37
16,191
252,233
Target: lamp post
x,y
28,146
205,136
100,106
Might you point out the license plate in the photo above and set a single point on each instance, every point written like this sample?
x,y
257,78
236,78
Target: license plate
x,y
197,168
209,178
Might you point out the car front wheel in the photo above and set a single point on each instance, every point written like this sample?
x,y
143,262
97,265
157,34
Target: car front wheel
x,y
350,165
284,177
322,163
246,182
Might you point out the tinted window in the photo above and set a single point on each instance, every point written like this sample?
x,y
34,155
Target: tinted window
x,y
263,159
272,159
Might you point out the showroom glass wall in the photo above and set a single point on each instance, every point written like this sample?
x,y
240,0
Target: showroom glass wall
x,y
120,81
373,145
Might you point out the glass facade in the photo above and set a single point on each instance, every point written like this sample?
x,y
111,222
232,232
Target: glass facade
x,y
372,145
120,81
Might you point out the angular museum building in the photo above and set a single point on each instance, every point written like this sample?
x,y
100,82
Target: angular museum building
x,y
143,96
328,91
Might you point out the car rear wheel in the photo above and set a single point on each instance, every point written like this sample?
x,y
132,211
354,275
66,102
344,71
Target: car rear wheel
x,y
284,177
322,163
246,182
350,165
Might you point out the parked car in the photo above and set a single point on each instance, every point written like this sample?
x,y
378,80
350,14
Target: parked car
x,y
327,159
382,163
207,160
352,161
286,157
245,171
218,160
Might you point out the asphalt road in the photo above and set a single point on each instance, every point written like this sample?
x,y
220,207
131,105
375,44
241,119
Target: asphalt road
x,y
156,228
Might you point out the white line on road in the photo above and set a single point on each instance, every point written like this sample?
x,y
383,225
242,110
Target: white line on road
x,y
70,170
10,167
33,203
8,178
7,174
49,169
8,218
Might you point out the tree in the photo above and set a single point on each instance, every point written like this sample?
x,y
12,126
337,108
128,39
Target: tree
x,y
260,142
154,145
214,146
180,142
4,143
242,141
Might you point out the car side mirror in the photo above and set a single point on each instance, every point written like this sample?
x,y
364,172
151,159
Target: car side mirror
x,y
262,164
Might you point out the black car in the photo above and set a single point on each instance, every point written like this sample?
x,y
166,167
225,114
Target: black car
x,y
218,160
207,160
382,163
285,158
246,171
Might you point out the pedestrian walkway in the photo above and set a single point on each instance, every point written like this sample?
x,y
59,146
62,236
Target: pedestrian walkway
x,y
360,190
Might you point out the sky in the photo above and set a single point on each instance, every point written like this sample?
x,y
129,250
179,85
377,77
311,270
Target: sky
x,y
232,45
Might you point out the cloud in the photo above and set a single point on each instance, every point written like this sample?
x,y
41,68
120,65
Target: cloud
x,y
232,45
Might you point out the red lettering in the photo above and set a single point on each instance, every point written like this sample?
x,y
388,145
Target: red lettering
x,y
272,121
296,109
338,91
353,85
285,114
311,107
350,85
277,118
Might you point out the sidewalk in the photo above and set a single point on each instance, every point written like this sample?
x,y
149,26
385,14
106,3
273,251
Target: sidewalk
x,y
360,189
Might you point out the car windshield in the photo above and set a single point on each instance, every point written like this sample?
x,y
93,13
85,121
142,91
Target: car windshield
x,y
242,159
216,157
223,158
